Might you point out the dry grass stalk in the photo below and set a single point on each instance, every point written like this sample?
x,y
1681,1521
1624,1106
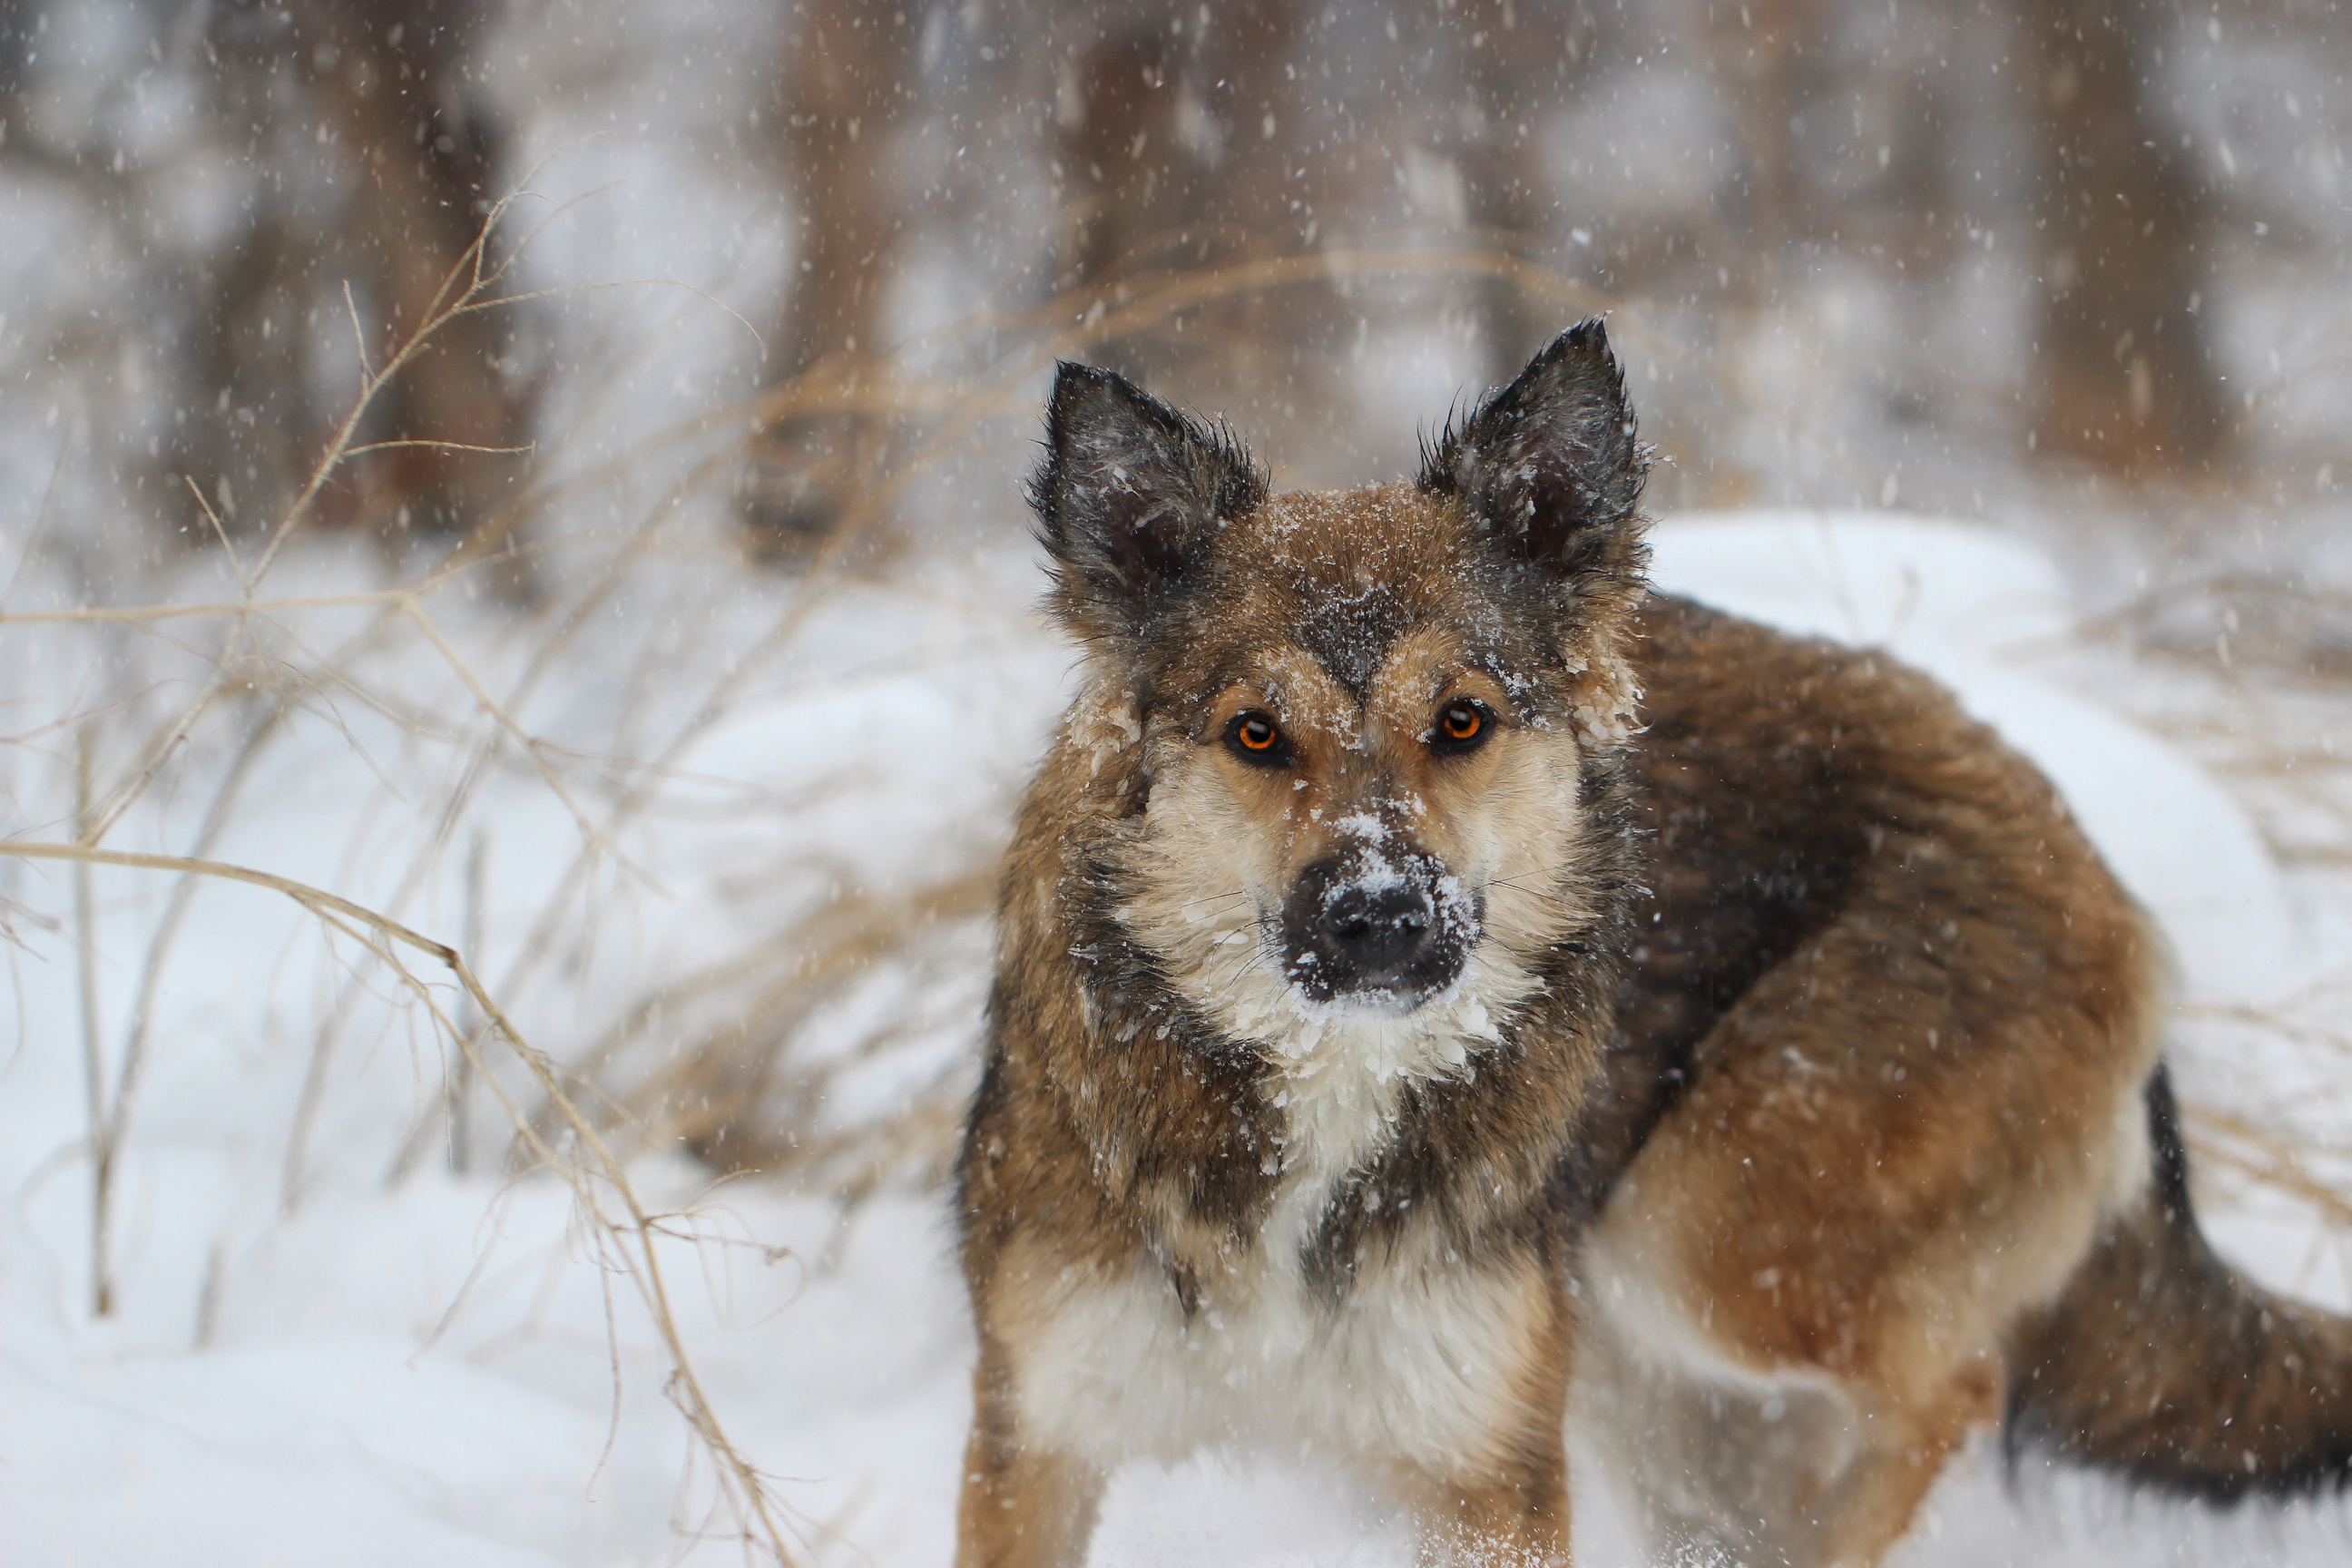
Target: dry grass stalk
x,y
633,1232
2264,1155
626,1229
737,1096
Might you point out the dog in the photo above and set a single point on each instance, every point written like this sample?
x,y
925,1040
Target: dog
x,y
1434,969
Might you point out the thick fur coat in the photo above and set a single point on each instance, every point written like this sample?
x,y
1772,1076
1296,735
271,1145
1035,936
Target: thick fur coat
x,y
1428,961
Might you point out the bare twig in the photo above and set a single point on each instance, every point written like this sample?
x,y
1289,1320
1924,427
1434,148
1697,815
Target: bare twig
x,y
93,1058
244,582
636,1230
107,1138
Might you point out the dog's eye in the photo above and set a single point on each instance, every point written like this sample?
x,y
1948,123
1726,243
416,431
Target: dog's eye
x,y
1257,740
1461,726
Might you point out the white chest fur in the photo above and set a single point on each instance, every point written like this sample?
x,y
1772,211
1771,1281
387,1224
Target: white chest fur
x,y
1415,1363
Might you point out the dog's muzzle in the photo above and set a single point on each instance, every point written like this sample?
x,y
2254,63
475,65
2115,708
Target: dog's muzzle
x,y
1374,925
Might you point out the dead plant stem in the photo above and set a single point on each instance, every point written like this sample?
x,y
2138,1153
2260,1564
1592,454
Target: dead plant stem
x,y
93,1058
634,1233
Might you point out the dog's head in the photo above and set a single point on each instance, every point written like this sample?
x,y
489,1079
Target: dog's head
x,y
1354,733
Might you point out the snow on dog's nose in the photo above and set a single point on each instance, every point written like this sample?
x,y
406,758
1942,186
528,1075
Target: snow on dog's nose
x,y
1373,921
1378,931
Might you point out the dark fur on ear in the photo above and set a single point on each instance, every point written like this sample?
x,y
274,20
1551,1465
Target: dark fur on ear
x,y
1129,495
1551,469
1550,464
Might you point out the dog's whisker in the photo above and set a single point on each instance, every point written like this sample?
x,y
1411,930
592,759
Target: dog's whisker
x,y
1510,887
1249,960
1242,973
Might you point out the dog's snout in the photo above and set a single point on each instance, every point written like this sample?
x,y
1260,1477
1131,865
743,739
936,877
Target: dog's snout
x,y
1380,930
1374,923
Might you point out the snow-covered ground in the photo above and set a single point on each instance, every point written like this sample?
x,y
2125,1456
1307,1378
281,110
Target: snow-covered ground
x,y
363,1354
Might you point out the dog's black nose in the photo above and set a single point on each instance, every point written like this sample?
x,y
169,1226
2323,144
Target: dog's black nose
x,y
1366,923
1377,932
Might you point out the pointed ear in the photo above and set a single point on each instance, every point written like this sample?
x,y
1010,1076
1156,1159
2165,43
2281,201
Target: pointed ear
x,y
1129,495
1550,464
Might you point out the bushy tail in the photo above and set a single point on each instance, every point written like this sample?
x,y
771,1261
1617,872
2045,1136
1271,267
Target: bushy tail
x,y
2163,1362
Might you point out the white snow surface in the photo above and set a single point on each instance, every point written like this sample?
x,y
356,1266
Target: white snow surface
x,y
327,1388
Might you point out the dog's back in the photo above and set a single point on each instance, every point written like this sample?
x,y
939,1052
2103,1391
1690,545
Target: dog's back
x,y
1894,1018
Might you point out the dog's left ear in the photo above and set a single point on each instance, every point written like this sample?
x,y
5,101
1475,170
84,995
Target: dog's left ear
x,y
1130,496
1550,464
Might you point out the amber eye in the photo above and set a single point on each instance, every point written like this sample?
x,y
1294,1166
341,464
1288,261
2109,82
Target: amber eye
x,y
1461,726
1256,739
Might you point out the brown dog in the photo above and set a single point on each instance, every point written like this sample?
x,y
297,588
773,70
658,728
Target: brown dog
x,y
1428,959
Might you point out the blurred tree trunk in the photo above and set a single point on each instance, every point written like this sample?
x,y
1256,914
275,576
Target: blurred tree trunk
x,y
1160,128
1126,176
248,421
258,423
2122,373
372,165
849,85
20,21
1170,140
390,82
1520,61
1178,140
1766,79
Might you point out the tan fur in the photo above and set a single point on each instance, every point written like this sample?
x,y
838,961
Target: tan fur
x,y
1791,1075
1099,1250
1905,1133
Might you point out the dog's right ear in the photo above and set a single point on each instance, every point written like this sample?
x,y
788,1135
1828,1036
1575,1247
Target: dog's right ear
x,y
1128,497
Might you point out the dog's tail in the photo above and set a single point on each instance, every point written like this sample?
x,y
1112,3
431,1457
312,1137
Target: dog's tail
x,y
2161,1362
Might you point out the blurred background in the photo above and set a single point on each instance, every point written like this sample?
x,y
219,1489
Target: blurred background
x,y
547,472
1968,249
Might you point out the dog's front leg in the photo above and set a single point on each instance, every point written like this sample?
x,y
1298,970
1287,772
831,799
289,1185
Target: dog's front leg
x,y
1520,1522
1022,1507
1506,1506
